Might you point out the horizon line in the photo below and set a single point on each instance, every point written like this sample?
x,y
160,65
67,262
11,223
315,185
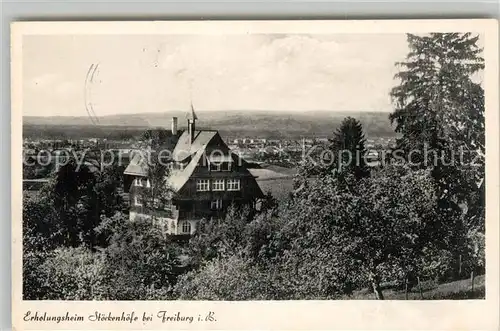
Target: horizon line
x,y
222,110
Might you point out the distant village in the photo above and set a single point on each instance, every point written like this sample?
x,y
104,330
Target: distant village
x,y
280,152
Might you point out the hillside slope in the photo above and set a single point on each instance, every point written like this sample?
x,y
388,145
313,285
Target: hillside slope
x,y
270,124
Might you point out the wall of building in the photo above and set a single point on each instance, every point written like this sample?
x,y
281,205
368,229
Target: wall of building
x,y
168,225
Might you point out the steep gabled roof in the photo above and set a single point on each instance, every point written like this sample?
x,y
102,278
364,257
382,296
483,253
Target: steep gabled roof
x,y
178,178
185,148
137,166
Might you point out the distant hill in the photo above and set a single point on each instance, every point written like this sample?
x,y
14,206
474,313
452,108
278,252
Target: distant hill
x,y
234,123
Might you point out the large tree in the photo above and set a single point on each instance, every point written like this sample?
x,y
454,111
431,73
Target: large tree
x,y
435,79
70,205
359,232
108,187
440,116
440,108
219,237
74,200
141,263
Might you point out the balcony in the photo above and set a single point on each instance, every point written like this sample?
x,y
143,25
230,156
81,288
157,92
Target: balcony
x,y
160,213
196,214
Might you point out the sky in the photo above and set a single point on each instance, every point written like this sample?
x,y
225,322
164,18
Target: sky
x,y
143,74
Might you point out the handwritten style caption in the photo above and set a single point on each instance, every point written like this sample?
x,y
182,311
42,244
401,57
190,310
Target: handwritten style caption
x,y
124,317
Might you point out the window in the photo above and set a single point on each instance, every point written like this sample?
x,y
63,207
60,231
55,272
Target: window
x,y
137,201
186,227
142,182
215,166
226,166
202,185
176,166
218,185
216,204
233,184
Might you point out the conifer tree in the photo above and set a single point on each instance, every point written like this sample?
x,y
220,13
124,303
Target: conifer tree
x,y
437,102
348,145
440,111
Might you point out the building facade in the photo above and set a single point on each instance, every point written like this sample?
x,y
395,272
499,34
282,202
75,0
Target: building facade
x,y
203,178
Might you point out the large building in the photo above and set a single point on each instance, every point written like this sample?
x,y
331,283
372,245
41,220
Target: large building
x,y
204,179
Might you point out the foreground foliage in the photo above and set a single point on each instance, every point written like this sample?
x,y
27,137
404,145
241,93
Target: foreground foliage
x,y
137,264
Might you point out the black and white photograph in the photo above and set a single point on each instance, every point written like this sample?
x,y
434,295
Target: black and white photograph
x,y
253,166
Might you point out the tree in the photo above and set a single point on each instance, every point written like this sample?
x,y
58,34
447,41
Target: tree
x,y
141,263
440,114
159,195
346,153
138,263
349,146
435,77
108,227
269,202
78,195
358,232
72,193
74,273
157,137
231,278
219,237
33,286
40,226
108,185
440,108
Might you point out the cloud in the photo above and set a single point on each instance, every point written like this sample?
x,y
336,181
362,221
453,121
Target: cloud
x,y
269,72
290,72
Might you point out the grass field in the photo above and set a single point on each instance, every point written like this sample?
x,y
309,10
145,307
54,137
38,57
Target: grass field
x,y
280,188
275,179
457,290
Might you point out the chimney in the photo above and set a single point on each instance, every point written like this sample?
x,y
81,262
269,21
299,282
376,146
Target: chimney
x,y
191,130
174,126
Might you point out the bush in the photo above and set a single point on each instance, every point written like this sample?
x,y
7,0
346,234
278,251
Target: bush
x,y
231,278
73,274
438,264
